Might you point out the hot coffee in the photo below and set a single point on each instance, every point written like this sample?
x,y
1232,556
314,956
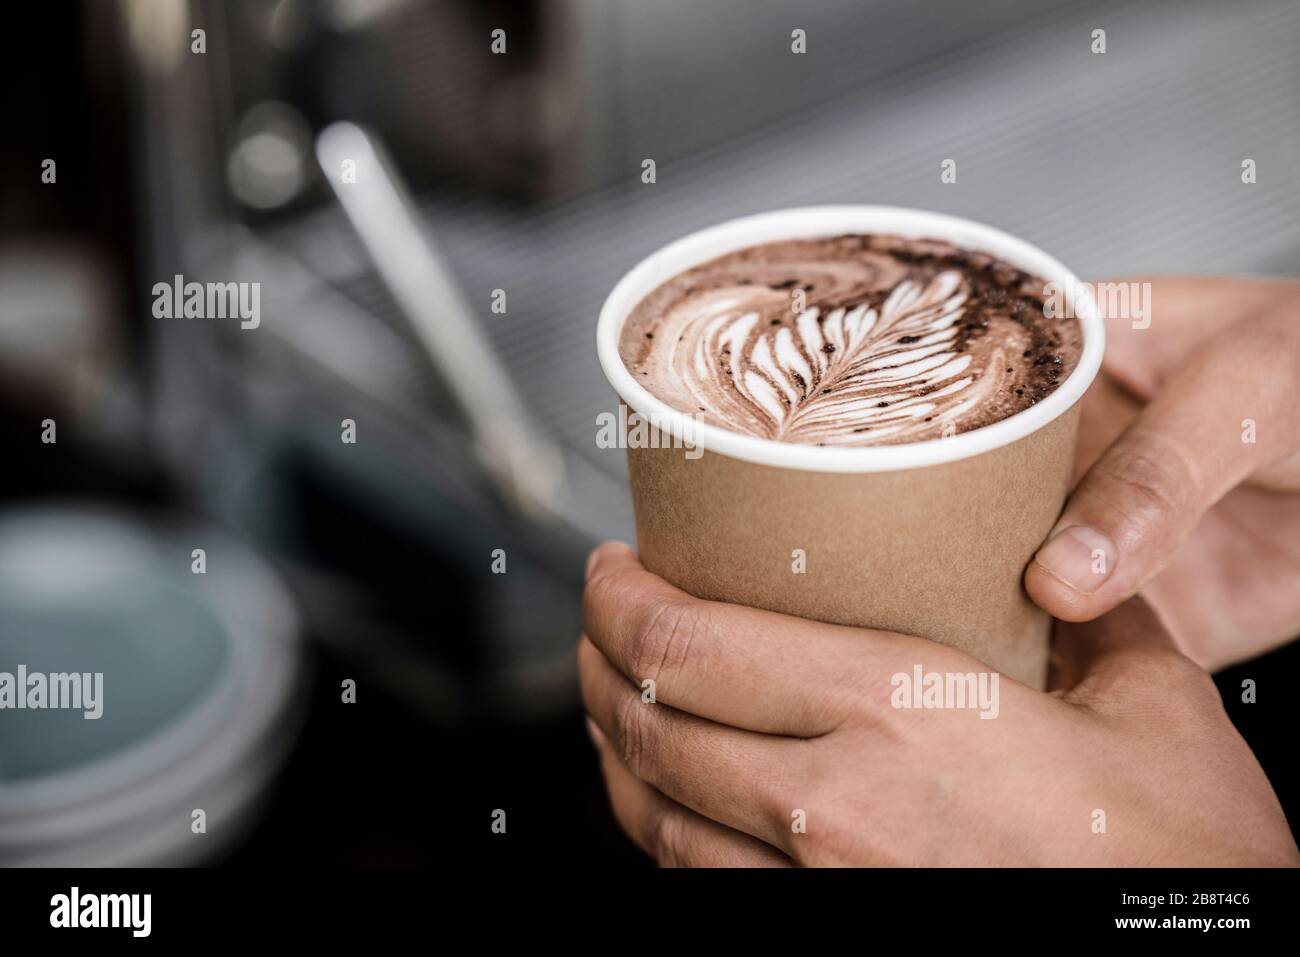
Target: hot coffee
x,y
851,340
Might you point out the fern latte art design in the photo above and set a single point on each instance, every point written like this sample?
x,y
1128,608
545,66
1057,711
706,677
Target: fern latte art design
x,y
850,341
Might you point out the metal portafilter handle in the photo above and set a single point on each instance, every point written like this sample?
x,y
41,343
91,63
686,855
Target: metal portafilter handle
x,y
525,466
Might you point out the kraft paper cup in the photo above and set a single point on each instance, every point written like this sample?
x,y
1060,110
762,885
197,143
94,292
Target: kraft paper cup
x,y
929,538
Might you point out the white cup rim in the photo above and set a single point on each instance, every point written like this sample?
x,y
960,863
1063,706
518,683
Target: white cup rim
x,y
816,221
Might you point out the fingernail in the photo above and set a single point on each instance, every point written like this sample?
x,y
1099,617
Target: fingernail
x,y
1080,556
593,732
591,563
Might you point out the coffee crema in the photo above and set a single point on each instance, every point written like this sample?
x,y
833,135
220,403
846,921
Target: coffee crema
x,y
850,341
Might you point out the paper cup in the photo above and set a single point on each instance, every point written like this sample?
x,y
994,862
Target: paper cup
x,y
928,538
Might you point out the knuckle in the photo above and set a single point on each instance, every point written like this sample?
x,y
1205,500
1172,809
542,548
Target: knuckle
x,y
1185,674
663,637
861,698
631,724
826,839
604,592
669,839
1170,666
869,696
817,802
1170,682
1157,475
779,810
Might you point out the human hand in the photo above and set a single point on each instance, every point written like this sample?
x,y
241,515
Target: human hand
x,y
761,718
1204,524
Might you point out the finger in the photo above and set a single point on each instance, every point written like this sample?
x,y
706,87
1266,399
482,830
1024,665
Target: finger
x,y
738,666
1104,413
1179,314
674,835
738,778
1187,448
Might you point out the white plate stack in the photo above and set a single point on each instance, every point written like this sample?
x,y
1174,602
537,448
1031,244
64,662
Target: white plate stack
x,y
198,703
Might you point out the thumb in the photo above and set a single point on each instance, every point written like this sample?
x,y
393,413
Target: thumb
x,y
1231,409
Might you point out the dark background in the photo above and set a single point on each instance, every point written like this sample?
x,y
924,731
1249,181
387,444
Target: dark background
x,y
523,173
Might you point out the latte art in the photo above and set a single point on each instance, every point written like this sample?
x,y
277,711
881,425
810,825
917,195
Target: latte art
x,y
898,341
891,370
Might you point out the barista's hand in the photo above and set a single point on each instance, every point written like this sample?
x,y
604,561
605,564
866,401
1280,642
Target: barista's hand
x,y
1188,511
773,740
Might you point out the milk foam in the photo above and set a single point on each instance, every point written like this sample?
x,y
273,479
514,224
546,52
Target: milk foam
x,y
899,341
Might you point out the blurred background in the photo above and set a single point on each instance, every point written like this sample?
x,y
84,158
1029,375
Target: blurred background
x,y
475,428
